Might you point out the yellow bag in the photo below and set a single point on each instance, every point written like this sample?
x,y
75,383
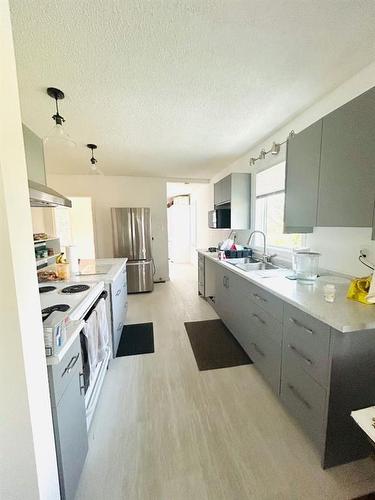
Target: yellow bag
x,y
358,289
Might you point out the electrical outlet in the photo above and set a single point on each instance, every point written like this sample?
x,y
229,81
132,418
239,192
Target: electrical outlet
x,y
363,252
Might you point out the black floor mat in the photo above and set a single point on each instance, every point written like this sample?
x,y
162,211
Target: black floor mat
x,y
136,339
214,346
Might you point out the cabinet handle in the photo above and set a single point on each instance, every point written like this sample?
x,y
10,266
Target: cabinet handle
x,y
81,384
297,395
119,326
259,297
300,325
258,318
118,292
299,353
72,362
257,349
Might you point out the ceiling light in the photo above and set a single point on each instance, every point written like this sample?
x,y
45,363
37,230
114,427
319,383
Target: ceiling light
x,y
94,169
275,149
58,135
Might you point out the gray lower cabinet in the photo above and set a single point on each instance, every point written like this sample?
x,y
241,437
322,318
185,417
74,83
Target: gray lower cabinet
x,y
201,277
119,306
320,375
302,180
347,169
304,398
69,419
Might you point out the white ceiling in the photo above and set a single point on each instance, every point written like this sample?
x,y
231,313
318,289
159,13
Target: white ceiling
x,y
181,88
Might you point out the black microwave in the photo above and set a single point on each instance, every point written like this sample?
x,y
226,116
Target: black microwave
x,y
219,218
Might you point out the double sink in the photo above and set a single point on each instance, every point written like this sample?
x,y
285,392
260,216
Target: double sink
x,y
250,264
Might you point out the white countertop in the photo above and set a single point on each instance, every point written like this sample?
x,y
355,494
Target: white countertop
x,y
73,330
364,418
344,314
116,266
110,276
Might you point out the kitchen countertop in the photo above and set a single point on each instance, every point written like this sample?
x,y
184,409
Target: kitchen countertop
x,y
344,314
364,418
115,263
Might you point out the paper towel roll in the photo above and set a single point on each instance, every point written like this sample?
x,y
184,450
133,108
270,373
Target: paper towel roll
x,y
72,258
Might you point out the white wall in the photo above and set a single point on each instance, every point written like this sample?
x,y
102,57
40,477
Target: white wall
x,y
120,191
339,246
27,454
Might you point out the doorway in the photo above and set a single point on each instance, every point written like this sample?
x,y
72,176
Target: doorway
x,y
182,224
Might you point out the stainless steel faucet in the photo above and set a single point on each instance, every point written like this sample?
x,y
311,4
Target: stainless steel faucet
x,y
264,256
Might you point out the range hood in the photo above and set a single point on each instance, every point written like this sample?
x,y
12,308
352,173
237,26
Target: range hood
x,y
43,196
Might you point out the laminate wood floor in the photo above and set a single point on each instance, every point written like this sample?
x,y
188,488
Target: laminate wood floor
x,y
163,430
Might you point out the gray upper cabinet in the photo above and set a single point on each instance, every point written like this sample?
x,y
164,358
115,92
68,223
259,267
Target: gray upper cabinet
x,y
234,192
222,191
347,170
302,180
34,153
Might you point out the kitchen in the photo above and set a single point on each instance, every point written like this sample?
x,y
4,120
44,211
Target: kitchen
x,y
161,428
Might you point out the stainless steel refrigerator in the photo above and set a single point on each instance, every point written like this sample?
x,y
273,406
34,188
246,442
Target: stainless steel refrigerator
x,y
132,239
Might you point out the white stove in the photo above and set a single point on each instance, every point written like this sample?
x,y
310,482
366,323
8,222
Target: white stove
x,y
71,299
62,303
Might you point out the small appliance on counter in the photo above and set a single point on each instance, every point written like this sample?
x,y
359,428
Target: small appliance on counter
x,y
306,265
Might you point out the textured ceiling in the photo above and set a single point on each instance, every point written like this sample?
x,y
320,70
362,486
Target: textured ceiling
x,y
181,88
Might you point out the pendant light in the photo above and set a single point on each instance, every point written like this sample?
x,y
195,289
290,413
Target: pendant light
x,y
94,169
58,136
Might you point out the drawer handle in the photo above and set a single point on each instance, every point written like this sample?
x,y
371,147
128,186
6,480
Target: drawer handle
x,y
257,349
258,318
118,292
259,297
299,353
300,325
72,362
296,394
81,384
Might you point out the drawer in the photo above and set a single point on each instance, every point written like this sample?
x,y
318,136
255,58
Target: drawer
x,y
60,375
264,322
267,301
307,340
304,398
266,355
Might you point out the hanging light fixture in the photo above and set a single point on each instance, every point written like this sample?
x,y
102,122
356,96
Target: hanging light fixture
x,y
275,149
94,169
262,154
58,135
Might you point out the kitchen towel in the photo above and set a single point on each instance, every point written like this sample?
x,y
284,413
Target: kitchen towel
x,y
91,331
103,332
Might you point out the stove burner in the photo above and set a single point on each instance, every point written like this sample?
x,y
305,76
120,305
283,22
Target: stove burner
x,y
46,312
75,289
45,289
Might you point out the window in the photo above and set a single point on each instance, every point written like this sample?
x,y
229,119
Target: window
x,y
269,210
